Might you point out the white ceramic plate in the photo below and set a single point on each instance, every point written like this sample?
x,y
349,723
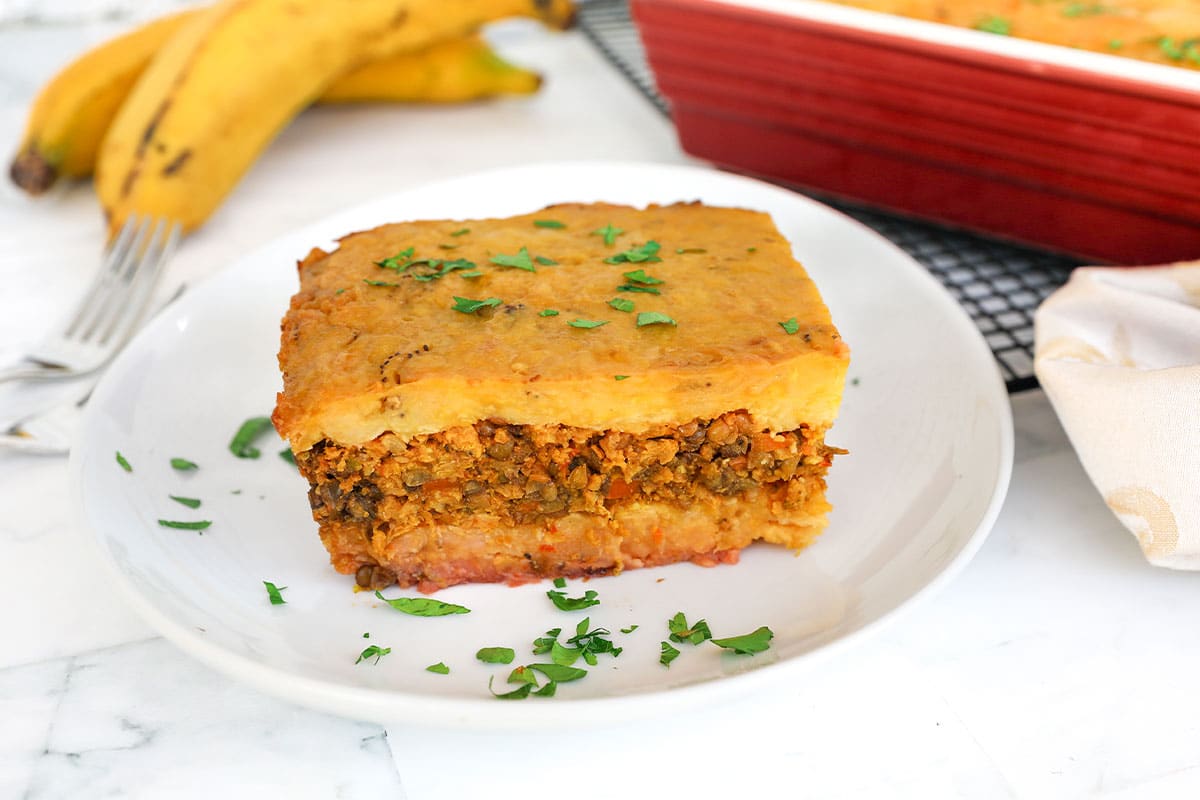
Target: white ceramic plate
x,y
925,417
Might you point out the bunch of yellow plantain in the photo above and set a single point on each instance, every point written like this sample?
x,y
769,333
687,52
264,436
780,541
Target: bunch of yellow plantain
x,y
171,115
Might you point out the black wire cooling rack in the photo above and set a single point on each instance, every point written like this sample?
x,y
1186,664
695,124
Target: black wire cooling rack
x,y
998,283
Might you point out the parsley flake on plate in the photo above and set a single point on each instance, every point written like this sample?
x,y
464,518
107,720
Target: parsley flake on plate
x,y
198,525
546,262
587,323
682,632
273,592
548,223
590,643
669,654
630,629
469,306
645,318
183,465
620,377
423,606
558,673
548,312
287,455
564,603
374,651
460,232
125,465
748,644
647,252
496,655
621,304
440,668
609,233
790,327
190,502
519,261
242,444
520,693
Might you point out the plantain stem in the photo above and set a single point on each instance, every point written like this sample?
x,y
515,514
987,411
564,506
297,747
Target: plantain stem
x,y
32,172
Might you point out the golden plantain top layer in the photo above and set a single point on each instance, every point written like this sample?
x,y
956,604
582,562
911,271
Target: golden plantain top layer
x,y
596,316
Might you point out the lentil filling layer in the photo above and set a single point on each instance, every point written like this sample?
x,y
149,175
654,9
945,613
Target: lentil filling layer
x,y
521,474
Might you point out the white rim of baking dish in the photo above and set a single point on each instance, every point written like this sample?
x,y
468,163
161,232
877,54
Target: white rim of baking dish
x,y
1100,65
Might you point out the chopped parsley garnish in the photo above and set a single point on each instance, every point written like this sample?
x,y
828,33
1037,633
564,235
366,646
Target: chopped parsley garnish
x,y
182,464
630,629
519,261
519,693
545,262
620,377
439,668
751,249
790,327
548,312
190,502
548,223
287,455
564,603
198,525
374,651
448,246
522,675
242,444
669,654
640,276
558,673
749,644
587,323
397,262
589,643
339,291
125,465
438,268
609,233
460,232
370,282
469,306
997,25
633,287
496,655
1115,44
560,583
653,318
423,606
273,592
546,643
682,632
621,304
474,273
646,253
686,250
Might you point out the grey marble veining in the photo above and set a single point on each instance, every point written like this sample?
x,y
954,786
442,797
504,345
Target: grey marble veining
x,y
146,721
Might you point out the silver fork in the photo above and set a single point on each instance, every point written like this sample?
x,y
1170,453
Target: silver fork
x,y
111,307
51,429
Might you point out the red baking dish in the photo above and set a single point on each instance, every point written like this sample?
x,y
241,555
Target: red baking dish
x,y
1087,153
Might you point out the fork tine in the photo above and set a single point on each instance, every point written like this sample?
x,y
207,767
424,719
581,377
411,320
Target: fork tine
x,y
114,255
108,296
143,280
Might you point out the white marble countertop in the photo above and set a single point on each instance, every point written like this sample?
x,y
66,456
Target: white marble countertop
x,y
1057,664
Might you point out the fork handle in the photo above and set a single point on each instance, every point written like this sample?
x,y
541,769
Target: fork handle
x,y
35,372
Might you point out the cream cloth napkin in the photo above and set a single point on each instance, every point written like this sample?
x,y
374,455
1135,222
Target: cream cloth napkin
x,y
1118,353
